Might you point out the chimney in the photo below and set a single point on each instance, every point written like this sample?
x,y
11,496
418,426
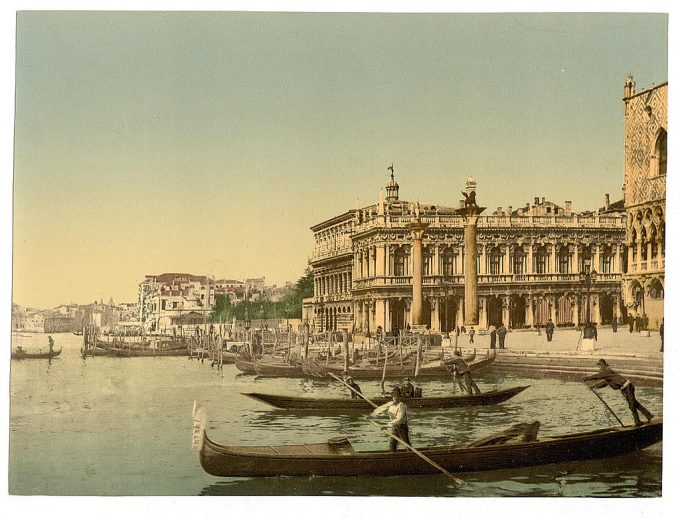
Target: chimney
x,y
535,200
543,199
509,210
567,207
606,201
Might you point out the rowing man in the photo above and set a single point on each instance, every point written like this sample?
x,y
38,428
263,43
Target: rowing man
x,y
462,370
398,423
607,376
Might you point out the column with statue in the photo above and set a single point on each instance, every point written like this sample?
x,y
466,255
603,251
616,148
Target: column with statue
x,y
470,211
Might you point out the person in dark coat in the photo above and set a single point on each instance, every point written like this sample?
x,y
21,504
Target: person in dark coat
x,y
549,330
471,334
356,387
407,389
607,376
661,334
501,331
615,324
492,334
630,323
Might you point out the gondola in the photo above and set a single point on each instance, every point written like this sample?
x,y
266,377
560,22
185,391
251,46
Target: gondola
x,y
273,368
440,369
23,355
141,351
338,458
332,404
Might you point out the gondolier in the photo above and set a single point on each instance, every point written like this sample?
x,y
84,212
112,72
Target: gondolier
x,y
398,414
461,368
607,376
355,387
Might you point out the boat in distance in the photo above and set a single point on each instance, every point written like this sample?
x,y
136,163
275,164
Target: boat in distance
x,y
338,458
327,404
20,354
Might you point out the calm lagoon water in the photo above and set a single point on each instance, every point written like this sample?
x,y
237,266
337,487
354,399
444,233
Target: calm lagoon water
x,y
123,426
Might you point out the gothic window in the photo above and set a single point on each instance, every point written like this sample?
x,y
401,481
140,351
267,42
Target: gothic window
x,y
427,263
660,152
655,290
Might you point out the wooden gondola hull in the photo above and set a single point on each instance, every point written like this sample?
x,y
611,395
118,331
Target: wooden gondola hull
x,y
141,352
303,460
278,369
35,356
245,365
318,369
348,404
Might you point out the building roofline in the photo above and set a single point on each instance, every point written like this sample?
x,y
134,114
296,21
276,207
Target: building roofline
x,y
637,94
335,219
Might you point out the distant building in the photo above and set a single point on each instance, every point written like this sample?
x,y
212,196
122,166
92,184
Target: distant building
x,y
165,299
529,264
646,133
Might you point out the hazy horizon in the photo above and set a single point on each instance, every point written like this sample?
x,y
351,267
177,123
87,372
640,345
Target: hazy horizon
x,y
209,143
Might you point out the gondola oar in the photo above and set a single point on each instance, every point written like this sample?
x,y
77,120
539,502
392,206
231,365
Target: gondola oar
x,y
456,481
603,402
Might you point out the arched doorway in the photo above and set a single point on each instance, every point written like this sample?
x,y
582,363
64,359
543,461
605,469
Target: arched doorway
x,y
606,308
427,313
564,312
541,311
495,310
447,314
398,314
518,312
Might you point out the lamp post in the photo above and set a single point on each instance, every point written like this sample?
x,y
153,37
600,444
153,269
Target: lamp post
x,y
587,277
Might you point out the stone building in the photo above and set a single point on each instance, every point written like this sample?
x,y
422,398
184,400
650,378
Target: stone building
x,y
530,263
164,300
646,130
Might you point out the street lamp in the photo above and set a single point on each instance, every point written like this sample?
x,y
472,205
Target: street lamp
x,y
587,276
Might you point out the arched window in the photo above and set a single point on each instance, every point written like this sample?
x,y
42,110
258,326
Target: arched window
x,y
495,261
400,263
564,260
660,152
541,259
448,262
518,260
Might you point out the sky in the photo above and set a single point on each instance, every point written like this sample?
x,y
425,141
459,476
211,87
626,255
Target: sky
x,y
211,142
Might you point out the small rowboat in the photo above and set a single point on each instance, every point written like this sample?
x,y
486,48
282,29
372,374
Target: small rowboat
x,y
332,404
142,351
23,355
338,458
270,368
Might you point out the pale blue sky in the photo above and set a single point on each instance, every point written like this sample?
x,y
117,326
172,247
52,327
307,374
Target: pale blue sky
x,y
211,142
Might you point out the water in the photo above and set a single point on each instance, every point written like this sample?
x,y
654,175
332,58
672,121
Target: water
x,y
122,426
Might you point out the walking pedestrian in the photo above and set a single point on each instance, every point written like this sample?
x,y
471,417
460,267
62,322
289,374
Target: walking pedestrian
x,y
501,331
471,334
549,330
661,334
492,334
615,324
630,323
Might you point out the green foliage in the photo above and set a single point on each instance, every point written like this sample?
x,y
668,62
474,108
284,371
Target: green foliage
x,y
290,306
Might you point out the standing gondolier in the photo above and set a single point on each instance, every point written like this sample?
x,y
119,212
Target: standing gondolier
x,y
461,368
607,376
398,414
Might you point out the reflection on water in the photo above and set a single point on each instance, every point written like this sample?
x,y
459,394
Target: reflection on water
x,y
122,426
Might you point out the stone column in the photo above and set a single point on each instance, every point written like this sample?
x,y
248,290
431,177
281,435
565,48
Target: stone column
x,y
506,311
483,313
574,310
595,309
470,216
553,309
506,266
417,229
596,265
630,259
551,266
575,267
380,261
460,314
380,314
434,314
530,259
483,266
529,312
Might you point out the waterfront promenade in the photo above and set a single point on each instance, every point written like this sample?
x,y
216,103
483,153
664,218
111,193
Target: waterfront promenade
x,y
632,354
